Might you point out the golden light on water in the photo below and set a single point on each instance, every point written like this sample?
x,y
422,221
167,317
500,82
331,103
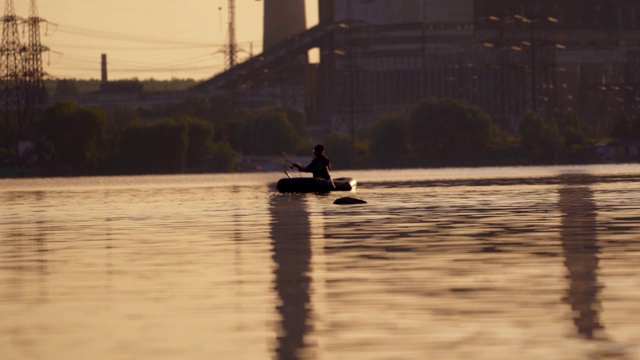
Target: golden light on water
x,y
442,264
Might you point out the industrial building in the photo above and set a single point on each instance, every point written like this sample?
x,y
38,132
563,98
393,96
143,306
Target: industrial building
x,y
553,56
381,56
393,54
375,57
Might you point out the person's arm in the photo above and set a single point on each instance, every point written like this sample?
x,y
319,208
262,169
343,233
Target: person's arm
x,y
308,168
315,165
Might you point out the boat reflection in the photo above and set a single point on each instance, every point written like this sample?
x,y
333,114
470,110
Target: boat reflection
x,y
291,240
580,249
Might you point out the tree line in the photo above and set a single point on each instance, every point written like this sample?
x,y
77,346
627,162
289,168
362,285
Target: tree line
x,y
207,134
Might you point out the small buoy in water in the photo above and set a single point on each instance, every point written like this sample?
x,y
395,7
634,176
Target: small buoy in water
x,y
348,201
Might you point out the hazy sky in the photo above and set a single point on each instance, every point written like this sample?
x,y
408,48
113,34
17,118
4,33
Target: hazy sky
x,y
145,38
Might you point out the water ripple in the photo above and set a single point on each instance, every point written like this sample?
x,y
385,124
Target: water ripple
x,y
485,263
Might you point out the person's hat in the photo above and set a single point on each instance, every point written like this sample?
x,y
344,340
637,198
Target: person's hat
x,y
319,147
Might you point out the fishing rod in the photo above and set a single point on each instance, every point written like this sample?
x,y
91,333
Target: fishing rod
x,y
282,154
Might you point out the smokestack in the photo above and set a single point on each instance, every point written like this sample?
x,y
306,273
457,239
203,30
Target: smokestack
x,y
104,68
326,12
282,20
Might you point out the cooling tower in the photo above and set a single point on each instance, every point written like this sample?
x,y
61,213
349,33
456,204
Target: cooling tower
x,y
282,20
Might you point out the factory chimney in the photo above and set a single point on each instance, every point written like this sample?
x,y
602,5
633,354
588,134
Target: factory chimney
x,y
104,68
282,20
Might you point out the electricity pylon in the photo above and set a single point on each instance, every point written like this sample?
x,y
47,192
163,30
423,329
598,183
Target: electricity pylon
x,y
22,89
36,95
232,46
11,75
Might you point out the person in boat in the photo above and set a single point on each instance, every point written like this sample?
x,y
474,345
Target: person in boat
x,y
319,166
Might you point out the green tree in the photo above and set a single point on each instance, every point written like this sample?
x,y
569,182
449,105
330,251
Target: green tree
x,y
154,149
624,126
450,131
120,119
388,142
540,140
236,131
272,127
296,118
203,152
76,133
572,133
532,134
200,144
223,158
344,150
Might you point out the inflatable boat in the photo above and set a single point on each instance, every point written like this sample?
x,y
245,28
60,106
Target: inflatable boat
x,y
315,185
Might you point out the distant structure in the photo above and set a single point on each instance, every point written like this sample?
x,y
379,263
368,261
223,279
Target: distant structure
x,y
11,76
280,79
507,56
21,73
104,78
231,48
283,19
553,56
387,56
286,84
380,56
114,89
33,71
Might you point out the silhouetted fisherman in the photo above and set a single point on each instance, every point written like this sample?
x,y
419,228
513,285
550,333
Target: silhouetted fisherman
x,y
319,166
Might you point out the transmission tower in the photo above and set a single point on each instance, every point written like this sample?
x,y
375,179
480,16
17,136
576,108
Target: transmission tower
x,y
232,46
36,95
11,71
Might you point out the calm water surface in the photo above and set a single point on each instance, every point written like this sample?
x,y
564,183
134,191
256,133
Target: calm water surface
x,y
489,263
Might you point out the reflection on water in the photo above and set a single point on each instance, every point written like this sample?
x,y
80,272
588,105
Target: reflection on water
x,y
28,252
492,263
291,237
580,249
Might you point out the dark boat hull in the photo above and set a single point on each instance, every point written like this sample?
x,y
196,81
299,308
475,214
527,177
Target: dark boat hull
x,y
314,185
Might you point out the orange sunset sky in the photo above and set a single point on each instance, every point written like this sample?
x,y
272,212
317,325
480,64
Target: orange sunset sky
x,y
143,39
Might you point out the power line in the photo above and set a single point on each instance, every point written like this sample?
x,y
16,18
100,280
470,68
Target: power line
x,y
107,35
134,48
153,44
202,63
79,59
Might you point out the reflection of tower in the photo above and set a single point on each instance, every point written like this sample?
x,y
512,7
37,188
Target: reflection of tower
x,y
27,278
579,243
291,239
11,73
